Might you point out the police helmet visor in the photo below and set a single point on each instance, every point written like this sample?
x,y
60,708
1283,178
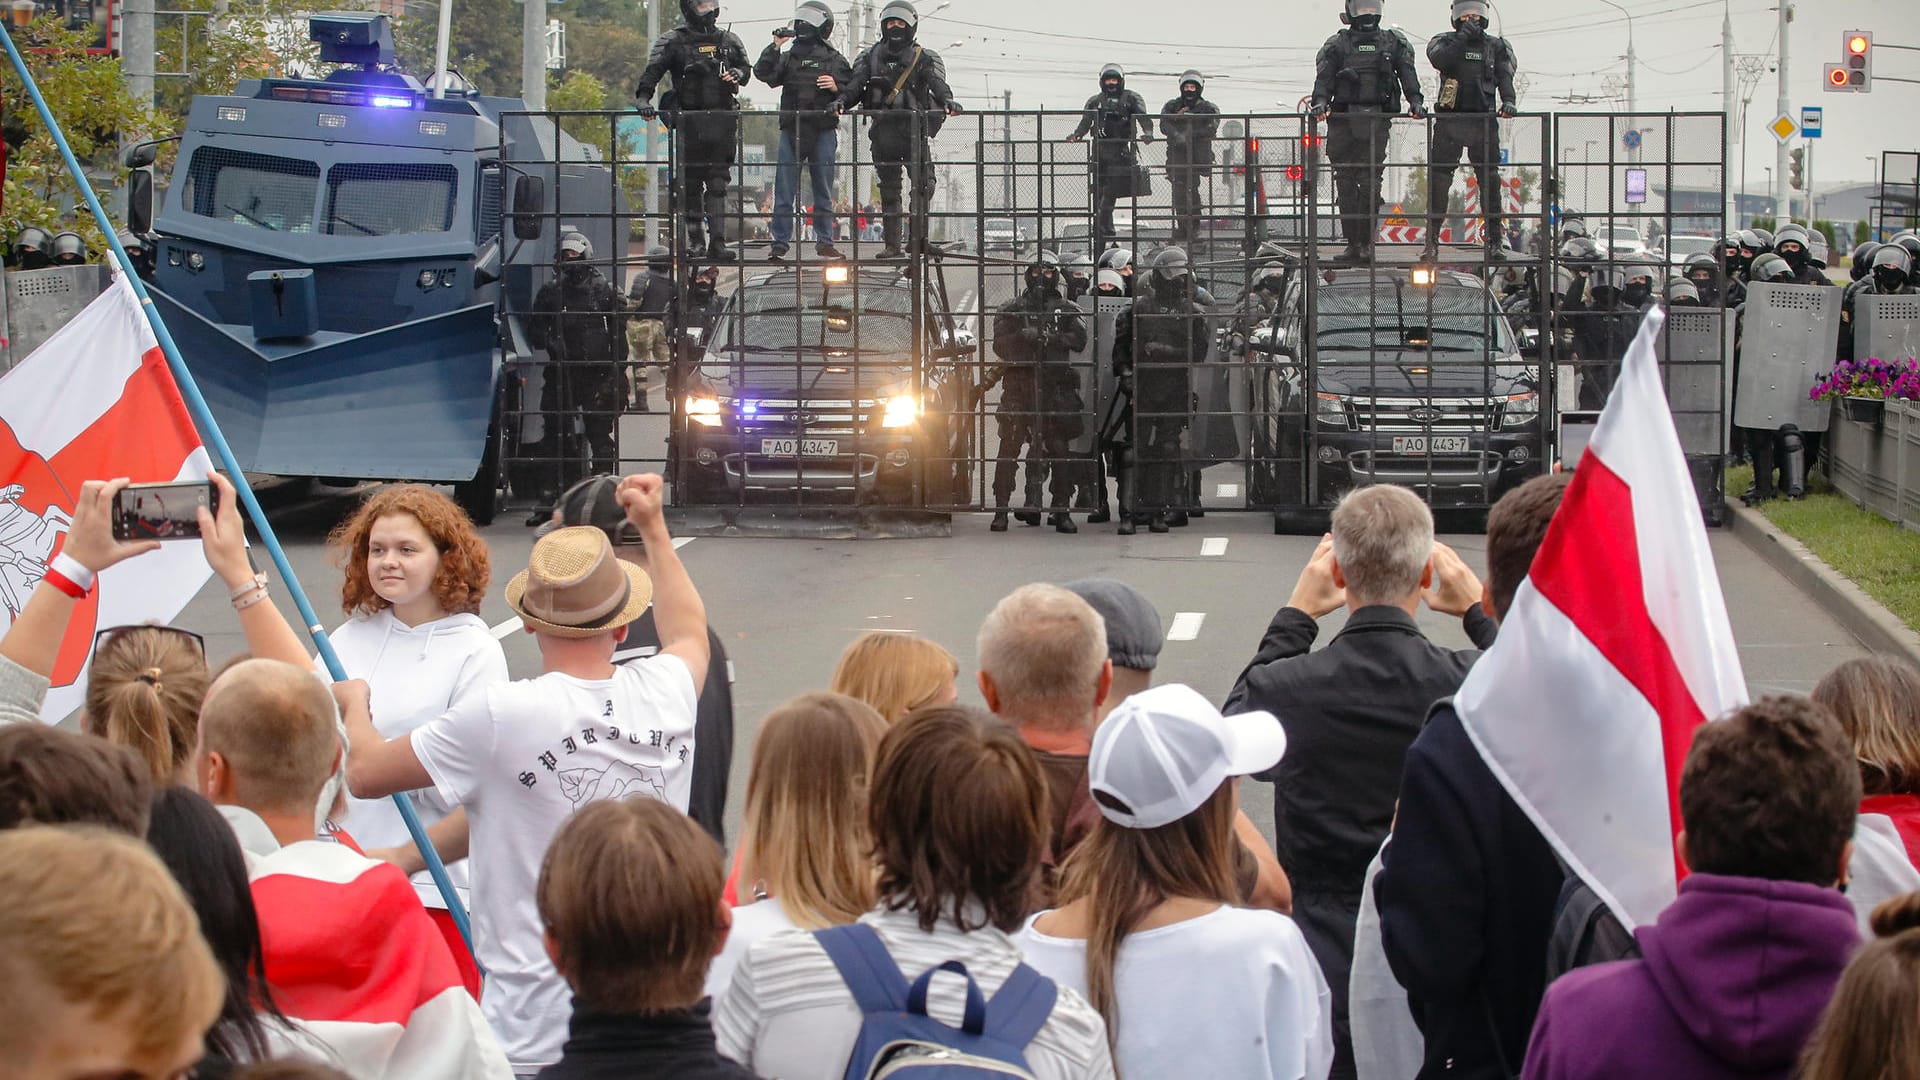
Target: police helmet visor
x,y
1357,8
705,7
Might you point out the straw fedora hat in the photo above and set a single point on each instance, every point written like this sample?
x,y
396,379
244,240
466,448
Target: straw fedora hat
x,y
574,587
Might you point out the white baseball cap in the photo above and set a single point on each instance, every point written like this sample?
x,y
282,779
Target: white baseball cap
x,y
1163,752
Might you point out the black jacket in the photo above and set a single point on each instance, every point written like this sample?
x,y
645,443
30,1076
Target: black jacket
x,y
1036,337
1365,70
1164,339
652,295
669,1046
1190,127
1466,897
1350,711
804,107
875,73
1111,119
695,60
1485,66
579,318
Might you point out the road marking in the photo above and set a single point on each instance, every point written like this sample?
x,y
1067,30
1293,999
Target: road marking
x,y
1227,491
1213,545
1186,625
682,541
501,631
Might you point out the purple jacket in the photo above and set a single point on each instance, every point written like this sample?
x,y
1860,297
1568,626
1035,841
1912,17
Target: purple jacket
x,y
1734,976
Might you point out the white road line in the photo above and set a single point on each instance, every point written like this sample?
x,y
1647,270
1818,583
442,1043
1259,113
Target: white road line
x,y
682,541
1213,545
1227,491
501,631
1186,625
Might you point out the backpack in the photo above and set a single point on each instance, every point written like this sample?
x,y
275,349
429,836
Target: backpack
x,y
899,1040
1585,931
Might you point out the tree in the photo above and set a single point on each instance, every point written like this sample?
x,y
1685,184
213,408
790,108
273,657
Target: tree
x,y
89,98
217,43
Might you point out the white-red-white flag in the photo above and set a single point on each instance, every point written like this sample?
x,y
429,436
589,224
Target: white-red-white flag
x,y
1616,648
95,402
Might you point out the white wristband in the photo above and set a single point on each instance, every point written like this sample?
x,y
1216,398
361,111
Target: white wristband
x,y
69,567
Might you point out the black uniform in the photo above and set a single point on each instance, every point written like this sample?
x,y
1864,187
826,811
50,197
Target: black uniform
x,y
1035,336
1603,326
701,108
580,320
1157,342
1476,83
904,87
1360,76
1189,124
1111,118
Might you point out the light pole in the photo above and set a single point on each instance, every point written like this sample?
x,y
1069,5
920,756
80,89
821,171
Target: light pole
x,y
1586,179
1633,103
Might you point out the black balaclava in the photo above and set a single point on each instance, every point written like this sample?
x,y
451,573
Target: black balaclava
x,y
1736,258
897,33
1888,279
1637,292
1043,280
1707,284
695,20
1795,254
700,291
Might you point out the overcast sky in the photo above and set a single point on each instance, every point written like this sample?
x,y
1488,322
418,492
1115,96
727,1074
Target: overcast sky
x,y
1259,56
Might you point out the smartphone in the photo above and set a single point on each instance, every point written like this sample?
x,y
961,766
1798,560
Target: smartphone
x,y
162,511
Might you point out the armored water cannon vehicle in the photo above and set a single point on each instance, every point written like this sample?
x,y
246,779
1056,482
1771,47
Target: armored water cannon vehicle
x,y
331,258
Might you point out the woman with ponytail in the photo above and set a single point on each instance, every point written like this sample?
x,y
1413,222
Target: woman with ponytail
x,y
144,690
1147,929
1871,1029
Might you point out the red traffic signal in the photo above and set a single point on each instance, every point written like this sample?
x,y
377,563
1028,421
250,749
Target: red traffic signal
x,y
1858,44
1296,174
1836,75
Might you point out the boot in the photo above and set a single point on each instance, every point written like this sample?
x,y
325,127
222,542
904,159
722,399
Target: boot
x,y
1027,517
1177,519
644,407
1102,515
1158,524
1064,523
717,249
829,252
890,223
777,253
1126,525
999,523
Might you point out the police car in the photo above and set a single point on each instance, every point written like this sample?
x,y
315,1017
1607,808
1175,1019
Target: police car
x,y
831,385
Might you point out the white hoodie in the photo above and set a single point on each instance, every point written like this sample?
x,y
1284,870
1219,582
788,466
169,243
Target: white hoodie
x,y
415,674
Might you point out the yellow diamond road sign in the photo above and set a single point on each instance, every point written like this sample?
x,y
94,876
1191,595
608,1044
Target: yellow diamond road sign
x,y
1783,128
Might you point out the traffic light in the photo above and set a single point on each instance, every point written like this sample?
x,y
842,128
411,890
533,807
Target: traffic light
x,y
1857,54
1796,174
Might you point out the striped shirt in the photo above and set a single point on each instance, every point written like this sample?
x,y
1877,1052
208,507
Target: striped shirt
x,y
789,1015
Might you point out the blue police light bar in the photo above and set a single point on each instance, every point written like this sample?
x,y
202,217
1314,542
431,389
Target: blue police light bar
x,y
391,101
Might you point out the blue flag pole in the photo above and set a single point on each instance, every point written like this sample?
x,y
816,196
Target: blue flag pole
x,y
203,416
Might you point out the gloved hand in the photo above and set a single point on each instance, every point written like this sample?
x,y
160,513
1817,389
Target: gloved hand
x,y
954,109
647,111
1319,112
1472,30
1417,111
1507,112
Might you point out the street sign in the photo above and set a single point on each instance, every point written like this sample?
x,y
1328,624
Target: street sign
x,y
1505,156
1631,140
1783,127
1811,121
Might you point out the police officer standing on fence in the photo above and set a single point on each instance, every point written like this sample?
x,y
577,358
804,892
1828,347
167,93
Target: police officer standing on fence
x,y
1360,76
579,319
810,73
1157,343
709,66
1189,122
1476,86
904,86
1111,116
1035,336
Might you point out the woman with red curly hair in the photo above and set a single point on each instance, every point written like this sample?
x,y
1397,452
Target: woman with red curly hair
x,y
415,573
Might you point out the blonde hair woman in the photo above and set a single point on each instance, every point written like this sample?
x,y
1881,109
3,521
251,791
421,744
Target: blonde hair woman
x,y
896,673
806,855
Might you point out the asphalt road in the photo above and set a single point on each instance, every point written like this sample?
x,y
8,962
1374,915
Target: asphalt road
x,y
787,607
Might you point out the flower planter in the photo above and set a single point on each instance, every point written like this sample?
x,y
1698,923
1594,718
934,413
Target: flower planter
x,y
1878,465
1864,410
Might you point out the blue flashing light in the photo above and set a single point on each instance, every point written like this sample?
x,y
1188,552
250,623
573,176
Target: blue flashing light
x,y
387,101
750,408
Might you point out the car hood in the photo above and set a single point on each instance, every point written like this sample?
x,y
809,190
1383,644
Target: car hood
x,y
807,376
1387,373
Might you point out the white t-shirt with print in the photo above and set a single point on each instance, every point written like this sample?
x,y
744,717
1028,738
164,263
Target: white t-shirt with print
x,y
414,673
521,759
1243,978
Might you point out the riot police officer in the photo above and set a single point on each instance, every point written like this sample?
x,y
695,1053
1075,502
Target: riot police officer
x,y
1035,335
709,66
1111,117
68,248
1120,261
1078,271
1795,245
1189,121
810,73
578,318
29,250
1258,303
904,86
1157,343
1476,84
139,252
1861,262
1360,76
1703,272
651,299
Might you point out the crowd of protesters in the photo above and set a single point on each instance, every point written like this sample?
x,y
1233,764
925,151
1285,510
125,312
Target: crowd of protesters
x,y
211,879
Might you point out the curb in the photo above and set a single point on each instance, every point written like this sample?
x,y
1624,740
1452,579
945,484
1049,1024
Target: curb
x,y
1862,616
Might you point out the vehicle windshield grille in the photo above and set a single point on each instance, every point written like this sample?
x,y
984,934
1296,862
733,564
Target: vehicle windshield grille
x,y
777,317
389,200
1393,315
258,191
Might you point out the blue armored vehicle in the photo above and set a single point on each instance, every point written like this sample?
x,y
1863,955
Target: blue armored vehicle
x,y
330,256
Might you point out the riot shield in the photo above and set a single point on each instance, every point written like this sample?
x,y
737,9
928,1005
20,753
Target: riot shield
x,y
1219,420
1696,352
1789,336
1095,365
1886,327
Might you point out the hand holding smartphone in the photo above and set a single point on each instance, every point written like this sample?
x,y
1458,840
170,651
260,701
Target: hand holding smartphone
x,y
162,511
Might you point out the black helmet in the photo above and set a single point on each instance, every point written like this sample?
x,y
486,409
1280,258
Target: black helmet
x,y
1752,243
1359,11
67,248
1044,270
30,249
701,15
1770,267
1892,267
1701,263
1117,74
659,259
1792,233
1863,259
1818,248
904,12
814,16
130,241
1681,291
1198,80
1766,238
1116,258
1910,243
1170,263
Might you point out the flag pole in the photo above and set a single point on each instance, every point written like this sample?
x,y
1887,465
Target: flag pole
x,y
203,416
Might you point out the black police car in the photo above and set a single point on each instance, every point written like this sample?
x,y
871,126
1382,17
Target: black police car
x,y
1403,374
831,385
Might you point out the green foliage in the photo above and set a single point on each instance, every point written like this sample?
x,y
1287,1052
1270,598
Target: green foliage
x,y
88,97
1862,232
1869,550
1761,223
220,42
605,39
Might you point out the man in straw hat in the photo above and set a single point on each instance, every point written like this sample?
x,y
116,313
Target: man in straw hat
x,y
528,754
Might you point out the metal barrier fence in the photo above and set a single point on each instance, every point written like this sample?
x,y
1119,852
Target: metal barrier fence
x,y
1898,205
1292,370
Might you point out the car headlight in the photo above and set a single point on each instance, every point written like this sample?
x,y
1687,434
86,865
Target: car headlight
x,y
1332,409
900,411
704,411
1522,410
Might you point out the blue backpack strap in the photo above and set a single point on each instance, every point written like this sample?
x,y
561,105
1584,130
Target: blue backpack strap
x,y
1021,1006
973,1019
866,967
